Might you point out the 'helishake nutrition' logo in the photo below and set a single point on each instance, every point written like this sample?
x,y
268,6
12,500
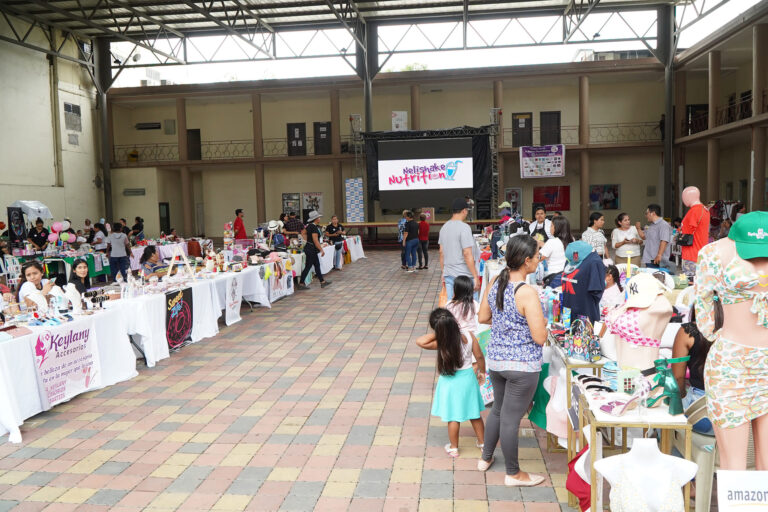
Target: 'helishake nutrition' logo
x,y
426,173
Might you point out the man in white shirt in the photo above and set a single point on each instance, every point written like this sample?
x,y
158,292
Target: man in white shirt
x,y
118,248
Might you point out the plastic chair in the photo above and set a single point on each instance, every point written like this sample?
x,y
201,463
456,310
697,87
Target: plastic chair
x,y
704,453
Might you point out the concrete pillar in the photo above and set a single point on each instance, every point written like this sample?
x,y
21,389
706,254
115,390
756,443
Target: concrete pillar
x,y
186,201
584,189
258,147
759,66
335,122
713,145
498,102
584,111
678,174
338,193
261,204
181,128
681,96
415,107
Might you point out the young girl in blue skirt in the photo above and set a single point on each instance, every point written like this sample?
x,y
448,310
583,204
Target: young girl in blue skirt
x,y
457,394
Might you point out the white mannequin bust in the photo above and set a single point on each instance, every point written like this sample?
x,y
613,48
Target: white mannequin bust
x,y
651,473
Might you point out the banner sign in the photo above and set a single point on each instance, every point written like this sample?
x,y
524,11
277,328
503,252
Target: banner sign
x,y
234,298
553,198
280,282
178,317
542,161
742,491
425,174
355,203
67,362
17,230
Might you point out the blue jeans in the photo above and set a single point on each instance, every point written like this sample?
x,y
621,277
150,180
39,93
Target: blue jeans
x,y
703,426
449,287
337,256
411,250
119,264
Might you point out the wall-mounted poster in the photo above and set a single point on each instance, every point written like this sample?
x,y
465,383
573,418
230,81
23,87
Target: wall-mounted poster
x,y
312,201
399,120
291,202
17,230
514,196
429,211
604,197
542,161
354,189
557,198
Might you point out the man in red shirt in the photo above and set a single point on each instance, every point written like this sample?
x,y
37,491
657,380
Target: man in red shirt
x,y
696,223
239,227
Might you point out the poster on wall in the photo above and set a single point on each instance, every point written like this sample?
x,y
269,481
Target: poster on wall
x,y
354,197
542,161
67,362
312,201
291,202
17,231
399,120
555,198
604,197
429,211
514,196
234,297
178,318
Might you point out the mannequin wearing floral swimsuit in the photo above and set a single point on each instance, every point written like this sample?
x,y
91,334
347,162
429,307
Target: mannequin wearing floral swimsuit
x,y
736,371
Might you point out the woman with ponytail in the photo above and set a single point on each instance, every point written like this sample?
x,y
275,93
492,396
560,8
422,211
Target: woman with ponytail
x,y
518,331
457,394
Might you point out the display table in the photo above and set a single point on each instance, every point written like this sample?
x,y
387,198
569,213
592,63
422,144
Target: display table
x,y
20,396
164,251
655,418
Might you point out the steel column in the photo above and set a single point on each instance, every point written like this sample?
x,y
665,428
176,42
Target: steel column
x,y
713,145
104,78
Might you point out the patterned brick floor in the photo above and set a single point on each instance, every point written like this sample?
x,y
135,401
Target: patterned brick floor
x,y
321,403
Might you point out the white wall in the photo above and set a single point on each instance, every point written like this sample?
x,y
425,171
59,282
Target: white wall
x,y
27,135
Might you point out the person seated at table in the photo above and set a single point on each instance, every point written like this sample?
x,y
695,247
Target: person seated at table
x,y
335,233
88,231
172,235
137,230
32,281
150,263
38,237
690,342
79,276
81,236
613,296
126,229
99,237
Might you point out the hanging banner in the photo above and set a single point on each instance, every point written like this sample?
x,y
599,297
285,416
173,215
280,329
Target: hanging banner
x,y
542,161
178,317
280,281
354,190
234,298
67,362
17,230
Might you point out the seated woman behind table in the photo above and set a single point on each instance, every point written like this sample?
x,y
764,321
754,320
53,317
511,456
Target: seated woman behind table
x,y
150,263
613,296
79,276
32,281
38,237
99,237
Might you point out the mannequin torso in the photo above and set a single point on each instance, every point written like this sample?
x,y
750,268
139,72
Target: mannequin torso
x,y
646,480
652,321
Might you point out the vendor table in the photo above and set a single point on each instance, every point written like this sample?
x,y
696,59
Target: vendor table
x,y
98,263
19,391
164,251
354,245
655,418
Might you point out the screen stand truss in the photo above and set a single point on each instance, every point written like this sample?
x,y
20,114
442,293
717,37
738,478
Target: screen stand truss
x,y
493,144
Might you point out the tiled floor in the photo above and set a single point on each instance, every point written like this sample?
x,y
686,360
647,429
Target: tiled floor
x,y
321,403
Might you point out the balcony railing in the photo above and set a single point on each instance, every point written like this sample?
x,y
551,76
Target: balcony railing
x,y
568,135
226,149
137,154
624,132
741,109
142,154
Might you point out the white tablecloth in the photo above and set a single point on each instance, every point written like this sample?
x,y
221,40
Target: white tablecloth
x,y
164,251
19,396
355,247
254,287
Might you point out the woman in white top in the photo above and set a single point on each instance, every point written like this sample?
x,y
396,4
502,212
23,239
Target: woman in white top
x,y
100,237
32,281
594,235
553,251
626,241
613,295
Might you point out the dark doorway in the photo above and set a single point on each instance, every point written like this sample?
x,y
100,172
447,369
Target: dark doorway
x,y
194,146
165,217
522,129
550,127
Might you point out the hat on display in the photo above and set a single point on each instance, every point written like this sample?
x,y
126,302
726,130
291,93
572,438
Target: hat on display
x,y
505,204
273,225
313,215
459,204
642,290
750,232
576,252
